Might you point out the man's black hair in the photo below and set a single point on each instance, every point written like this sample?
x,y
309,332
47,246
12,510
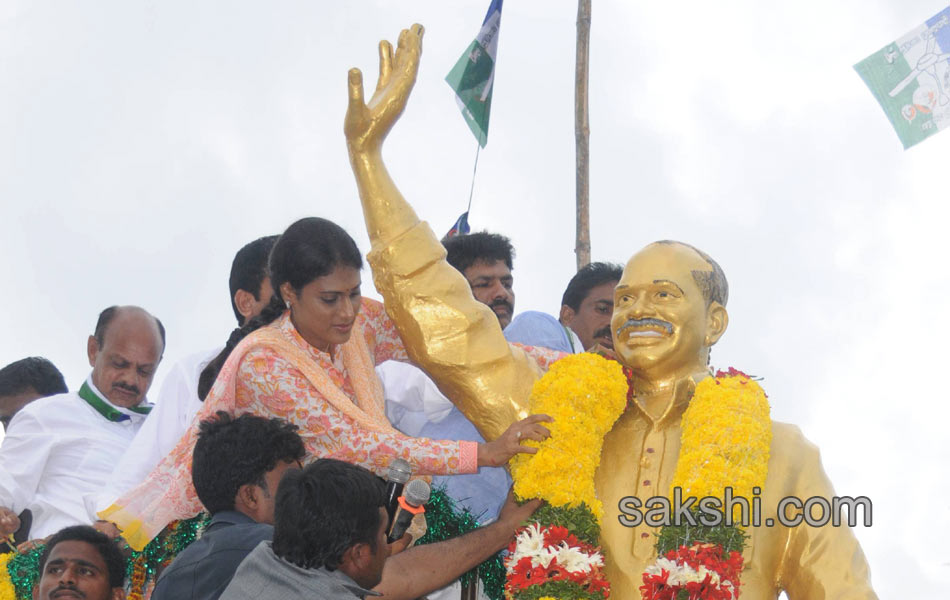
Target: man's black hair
x,y
34,372
106,317
463,251
230,453
325,509
249,269
713,282
587,278
110,553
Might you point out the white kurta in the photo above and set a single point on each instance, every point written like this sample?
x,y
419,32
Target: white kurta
x,y
174,410
412,399
57,455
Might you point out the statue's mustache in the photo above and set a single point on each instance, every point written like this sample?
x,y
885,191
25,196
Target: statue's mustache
x,y
649,322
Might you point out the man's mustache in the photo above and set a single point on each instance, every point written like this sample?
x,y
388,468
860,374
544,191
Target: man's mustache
x,y
649,322
602,333
64,588
128,388
501,302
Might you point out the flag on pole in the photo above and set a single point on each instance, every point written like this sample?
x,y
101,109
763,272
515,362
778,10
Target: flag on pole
x,y
461,226
910,78
473,74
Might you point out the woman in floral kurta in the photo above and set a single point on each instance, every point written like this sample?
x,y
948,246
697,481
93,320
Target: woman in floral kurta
x,y
309,358
270,385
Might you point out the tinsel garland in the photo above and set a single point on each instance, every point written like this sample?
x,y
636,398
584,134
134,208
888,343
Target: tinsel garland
x,y
446,520
142,568
23,569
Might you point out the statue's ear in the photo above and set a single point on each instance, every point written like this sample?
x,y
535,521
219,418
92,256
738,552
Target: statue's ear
x,y
717,320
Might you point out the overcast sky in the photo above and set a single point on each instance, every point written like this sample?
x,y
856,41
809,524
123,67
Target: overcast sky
x,y
143,143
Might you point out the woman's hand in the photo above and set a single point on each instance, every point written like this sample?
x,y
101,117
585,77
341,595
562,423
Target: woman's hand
x,y
498,452
366,124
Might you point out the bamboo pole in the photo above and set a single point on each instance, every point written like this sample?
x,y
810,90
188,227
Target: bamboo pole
x,y
582,134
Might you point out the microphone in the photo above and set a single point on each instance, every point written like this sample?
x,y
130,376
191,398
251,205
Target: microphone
x,y
399,473
410,505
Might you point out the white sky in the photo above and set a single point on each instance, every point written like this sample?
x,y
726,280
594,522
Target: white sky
x,y
142,143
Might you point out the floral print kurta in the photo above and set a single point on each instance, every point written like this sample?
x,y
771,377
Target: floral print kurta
x,y
269,385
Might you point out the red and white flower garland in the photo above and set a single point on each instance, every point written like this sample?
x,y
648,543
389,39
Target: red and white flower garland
x,y
547,554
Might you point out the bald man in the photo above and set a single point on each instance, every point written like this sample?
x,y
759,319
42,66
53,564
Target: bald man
x,y
59,451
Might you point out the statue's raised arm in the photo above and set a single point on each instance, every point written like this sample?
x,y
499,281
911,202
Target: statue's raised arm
x,y
366,125
455,338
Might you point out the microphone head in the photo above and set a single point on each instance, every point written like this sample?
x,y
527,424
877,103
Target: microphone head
x,y
399,471
417,492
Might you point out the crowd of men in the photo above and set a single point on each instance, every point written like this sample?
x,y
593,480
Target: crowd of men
x,y
280,528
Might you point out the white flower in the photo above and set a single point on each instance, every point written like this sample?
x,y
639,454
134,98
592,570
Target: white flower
x,y
572,559
544,557
530,543
681,574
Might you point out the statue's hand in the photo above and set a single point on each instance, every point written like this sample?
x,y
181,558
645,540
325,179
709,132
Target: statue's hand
x,y
367,124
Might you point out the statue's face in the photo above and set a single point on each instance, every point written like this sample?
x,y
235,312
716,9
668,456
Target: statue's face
x,y
661,324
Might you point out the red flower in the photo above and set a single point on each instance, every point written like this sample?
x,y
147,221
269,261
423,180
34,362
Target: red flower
x,y
732,372
710,556
554,535
631,394
523,575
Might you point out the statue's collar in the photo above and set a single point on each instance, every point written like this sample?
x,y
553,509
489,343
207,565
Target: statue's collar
x,y
672,411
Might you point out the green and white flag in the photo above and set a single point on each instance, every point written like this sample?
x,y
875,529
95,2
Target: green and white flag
x,y
473,74
911,79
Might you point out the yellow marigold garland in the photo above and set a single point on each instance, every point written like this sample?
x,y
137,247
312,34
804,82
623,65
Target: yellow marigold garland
x,y
725,441
556,555
7,591
726,438
585,394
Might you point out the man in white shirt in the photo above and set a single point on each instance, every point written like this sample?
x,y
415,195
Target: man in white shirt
x,y
59,451
178,400
24,381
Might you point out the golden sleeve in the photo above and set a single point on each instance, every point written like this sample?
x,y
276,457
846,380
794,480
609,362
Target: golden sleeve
x,y
453,337
822,562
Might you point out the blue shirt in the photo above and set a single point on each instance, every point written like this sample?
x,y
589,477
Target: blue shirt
x,y
202,570
482,493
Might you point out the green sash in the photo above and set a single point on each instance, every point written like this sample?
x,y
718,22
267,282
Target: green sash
x,y
104,408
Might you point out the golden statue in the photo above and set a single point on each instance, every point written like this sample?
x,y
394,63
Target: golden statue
x,y
669,310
